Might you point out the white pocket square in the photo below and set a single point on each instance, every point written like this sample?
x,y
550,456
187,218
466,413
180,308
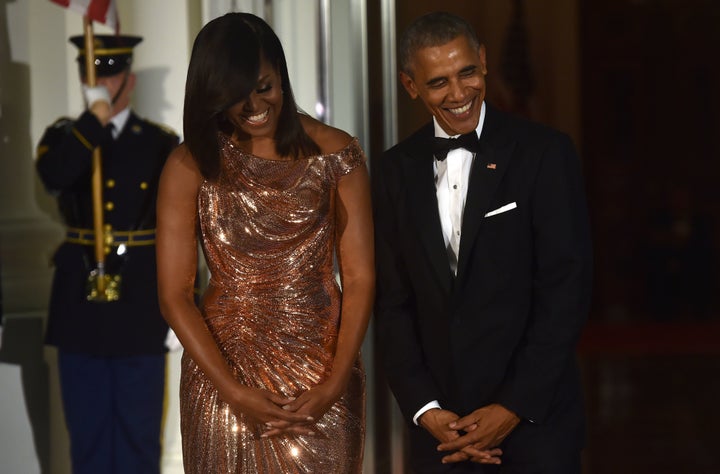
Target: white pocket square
x,y
500,210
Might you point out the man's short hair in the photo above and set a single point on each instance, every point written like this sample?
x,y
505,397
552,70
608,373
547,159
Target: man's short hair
x,y
432,29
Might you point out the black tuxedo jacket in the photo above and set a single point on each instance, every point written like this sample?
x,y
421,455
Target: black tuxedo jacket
x,y
504,330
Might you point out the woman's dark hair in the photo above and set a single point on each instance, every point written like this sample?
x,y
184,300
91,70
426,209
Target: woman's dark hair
x,y
432,29
223,71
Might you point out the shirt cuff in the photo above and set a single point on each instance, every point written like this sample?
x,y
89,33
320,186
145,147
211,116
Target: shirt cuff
x,y
429,406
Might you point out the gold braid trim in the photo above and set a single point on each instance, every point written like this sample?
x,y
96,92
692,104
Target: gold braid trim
x,y
82,139
114,238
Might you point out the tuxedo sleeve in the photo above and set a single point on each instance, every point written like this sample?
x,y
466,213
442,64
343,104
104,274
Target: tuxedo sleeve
x,y
395,313
560,287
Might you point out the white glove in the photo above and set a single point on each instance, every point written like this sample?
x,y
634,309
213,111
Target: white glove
x,y
95,94
172,342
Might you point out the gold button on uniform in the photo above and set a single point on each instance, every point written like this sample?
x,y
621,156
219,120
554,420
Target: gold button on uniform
x,y
110,183
143,185
109,206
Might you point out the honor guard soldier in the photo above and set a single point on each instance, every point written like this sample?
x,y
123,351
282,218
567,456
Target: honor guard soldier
x,y
111,351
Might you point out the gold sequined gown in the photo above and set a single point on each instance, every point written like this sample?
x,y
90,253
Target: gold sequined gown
x,y
273,306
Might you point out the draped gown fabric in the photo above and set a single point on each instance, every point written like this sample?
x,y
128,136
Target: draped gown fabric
x,y
273,305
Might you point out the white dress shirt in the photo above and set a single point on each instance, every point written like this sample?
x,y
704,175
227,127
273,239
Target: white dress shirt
x,y
451,183
118,121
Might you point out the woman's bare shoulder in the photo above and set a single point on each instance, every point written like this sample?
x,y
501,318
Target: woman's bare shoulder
x,y
181,166
328,138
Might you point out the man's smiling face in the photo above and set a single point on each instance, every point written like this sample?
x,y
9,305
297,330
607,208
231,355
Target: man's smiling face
x,y
450,80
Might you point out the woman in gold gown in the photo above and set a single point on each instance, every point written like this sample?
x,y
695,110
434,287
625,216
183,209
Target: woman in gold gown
x,y
271,375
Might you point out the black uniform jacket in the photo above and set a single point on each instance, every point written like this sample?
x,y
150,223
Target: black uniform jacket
x,y
131,167
504,330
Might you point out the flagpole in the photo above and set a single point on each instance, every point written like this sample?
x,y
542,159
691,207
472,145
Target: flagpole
x,y
96,171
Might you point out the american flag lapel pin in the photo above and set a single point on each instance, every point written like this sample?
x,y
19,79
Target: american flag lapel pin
x,y
491,166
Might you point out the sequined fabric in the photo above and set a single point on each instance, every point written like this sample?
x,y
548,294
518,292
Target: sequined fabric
x,y
273,306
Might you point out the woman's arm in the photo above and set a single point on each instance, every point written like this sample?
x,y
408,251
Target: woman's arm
x,y
356,262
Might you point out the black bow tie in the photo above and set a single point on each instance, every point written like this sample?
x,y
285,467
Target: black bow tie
x,y
441,146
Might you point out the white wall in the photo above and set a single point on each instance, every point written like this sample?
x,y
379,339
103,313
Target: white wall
x,y
160,61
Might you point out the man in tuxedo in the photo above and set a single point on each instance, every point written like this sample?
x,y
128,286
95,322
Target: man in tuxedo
x,y
483,271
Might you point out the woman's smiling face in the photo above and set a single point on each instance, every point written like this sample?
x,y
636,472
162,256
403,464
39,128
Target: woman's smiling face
x,y
258,114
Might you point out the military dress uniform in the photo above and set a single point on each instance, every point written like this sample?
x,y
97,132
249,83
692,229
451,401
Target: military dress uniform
x,y
111,353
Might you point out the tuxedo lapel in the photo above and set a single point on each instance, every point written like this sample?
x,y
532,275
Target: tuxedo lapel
x,y
423,207
487,171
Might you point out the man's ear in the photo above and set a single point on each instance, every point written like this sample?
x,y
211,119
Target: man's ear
x,y
130,85
409,85
483,59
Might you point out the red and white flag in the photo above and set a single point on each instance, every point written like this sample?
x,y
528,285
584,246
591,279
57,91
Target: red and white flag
x,y
102,11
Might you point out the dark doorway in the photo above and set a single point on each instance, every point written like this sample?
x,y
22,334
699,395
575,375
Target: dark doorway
x,y
651,117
